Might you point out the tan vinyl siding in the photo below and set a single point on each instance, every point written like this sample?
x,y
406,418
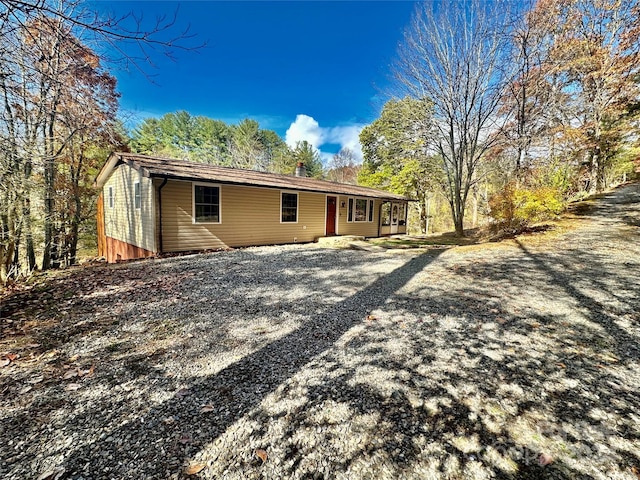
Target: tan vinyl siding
x,y
367,229
124,222
249,216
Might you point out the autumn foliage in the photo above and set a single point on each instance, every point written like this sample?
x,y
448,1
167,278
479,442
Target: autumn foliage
x,y
516,207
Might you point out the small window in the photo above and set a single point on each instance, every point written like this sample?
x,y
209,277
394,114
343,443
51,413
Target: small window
x,y
137,199
289,207
361,210
111,199
206,204
386,214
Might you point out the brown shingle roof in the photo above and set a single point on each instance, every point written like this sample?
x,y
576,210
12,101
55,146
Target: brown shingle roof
x,y
189,170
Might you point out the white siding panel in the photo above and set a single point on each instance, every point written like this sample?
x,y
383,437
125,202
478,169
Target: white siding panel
x,y
125,222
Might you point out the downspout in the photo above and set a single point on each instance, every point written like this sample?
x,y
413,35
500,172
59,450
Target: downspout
x,y
380,217
164,182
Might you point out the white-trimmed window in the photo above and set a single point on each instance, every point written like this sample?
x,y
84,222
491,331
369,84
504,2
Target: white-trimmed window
x,y
137,197
385,214
288,207
360,210
111,197
206,203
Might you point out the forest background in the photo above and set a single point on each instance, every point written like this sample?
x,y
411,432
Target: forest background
x,y
500,116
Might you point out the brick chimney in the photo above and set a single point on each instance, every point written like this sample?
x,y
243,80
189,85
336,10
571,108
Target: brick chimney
x,y
301,170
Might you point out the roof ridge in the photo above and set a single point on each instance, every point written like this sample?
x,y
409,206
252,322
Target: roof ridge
x,y
195,169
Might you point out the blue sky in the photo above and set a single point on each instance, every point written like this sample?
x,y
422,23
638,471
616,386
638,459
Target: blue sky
x,y
307,69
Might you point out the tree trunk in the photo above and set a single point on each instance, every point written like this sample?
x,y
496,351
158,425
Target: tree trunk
x,y
474,221
458,219
75,228
7,246
28,232
426,227
48,214
457,214
423,217
599,170
459,227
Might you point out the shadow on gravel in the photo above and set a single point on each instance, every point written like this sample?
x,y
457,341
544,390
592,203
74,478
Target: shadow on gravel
x,y
595,273
455,384
482,365
236,389
451,386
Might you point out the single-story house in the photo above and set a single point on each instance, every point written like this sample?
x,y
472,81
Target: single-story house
x,y
152,205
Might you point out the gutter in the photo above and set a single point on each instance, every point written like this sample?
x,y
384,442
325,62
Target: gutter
x,y
159,190
297,188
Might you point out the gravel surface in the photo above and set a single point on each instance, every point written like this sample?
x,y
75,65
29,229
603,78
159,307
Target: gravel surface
x,y
510,360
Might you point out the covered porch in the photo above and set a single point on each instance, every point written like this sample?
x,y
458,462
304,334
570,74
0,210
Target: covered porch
x,y
393,217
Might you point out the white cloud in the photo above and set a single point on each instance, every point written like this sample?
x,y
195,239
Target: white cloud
x,y
307,128
348,136
304,128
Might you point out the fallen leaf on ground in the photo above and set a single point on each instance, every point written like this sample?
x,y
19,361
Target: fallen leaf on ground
x,y
561,365
35,380
88,373
207,408
4,362
545,459
11,357
371,317
70,374
25,390
184,439
72,387
195,468
261,454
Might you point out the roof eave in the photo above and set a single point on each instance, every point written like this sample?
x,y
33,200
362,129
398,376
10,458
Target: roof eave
x,y
106,170
187,178
110,165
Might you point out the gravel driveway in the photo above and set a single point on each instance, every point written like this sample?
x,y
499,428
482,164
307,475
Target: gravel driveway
x,y
512,360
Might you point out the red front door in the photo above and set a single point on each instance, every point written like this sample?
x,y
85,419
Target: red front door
x,y
331,215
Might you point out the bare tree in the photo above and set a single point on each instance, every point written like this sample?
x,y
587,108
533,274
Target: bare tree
x,y
48,72
455,54
127,39
343,167
524,98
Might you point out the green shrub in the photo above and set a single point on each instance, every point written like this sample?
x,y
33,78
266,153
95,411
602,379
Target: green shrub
x,y
516,207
